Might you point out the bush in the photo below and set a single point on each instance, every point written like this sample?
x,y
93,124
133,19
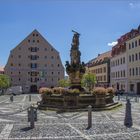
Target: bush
x,y
110,90
99,90
59,90
73,91
45,90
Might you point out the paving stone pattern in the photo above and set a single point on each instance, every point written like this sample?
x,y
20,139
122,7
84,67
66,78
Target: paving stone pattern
x,y
106,125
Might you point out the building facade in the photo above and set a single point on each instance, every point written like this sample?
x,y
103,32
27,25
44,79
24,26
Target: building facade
x,y
133,56
100,66
1,70
34,63
118,65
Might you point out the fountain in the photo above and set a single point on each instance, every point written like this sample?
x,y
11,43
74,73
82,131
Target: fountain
x,y
75,97
75,69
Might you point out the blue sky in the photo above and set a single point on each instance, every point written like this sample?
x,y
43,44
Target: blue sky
x,y
98,21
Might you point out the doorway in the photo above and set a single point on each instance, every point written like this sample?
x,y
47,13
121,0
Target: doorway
x,y
138,88
33,88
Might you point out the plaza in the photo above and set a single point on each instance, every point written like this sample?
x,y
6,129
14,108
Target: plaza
x,y
106,125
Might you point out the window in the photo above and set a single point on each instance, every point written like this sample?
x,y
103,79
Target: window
x,y
136,43
19,65
121,73
19,48
33,41
19,72
133,71
19,56
129,58
37,41
129,46
33,65
139,55
136,71
130,71
11,72
12,64
118,61
136,57
132,57
28,40
45,49
52,57
104,69
19,79
11,56
34,49
51,49
52,73
123,60
36,34
33,73
34,57
124,73
58,65
132,87
132,44
33,34
45,57
52,65
139,42
104,77
58,73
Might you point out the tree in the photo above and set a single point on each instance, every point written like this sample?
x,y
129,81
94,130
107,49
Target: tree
x,y
63,83
89,80
4,81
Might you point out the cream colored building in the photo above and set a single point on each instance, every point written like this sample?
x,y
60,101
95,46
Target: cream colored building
x,y
118,65
133,56
34,63
100,66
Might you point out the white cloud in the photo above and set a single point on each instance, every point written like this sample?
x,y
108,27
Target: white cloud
x,y
134,5
112,43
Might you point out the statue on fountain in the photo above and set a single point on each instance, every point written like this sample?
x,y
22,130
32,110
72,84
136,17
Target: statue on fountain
x,y
75,69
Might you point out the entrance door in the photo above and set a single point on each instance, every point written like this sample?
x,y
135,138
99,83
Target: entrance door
x,y
138,88
33,88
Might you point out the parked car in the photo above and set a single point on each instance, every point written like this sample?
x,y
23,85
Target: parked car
x,y
15,90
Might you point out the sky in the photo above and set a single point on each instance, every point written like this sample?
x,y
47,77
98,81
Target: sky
x,y
100,23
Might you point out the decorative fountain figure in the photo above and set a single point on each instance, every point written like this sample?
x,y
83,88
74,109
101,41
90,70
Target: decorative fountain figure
x,y
75,69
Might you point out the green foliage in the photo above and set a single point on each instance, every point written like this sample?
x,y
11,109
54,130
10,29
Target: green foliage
x,y
4,81
70,68
63,83
89,80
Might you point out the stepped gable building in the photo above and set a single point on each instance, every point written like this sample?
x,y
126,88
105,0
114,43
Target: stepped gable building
x,y
34,63
100,66
118,64
133,57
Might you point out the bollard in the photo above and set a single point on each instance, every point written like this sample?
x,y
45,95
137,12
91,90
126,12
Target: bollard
x,y
11,98
32,121
126,97
32,116
30,98
136,99
89,116
128,117
118,97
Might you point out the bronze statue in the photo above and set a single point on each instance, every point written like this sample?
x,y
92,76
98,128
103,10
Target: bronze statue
x,y
75,53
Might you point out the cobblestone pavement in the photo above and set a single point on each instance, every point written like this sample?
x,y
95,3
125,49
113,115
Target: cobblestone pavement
x,y
106,125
